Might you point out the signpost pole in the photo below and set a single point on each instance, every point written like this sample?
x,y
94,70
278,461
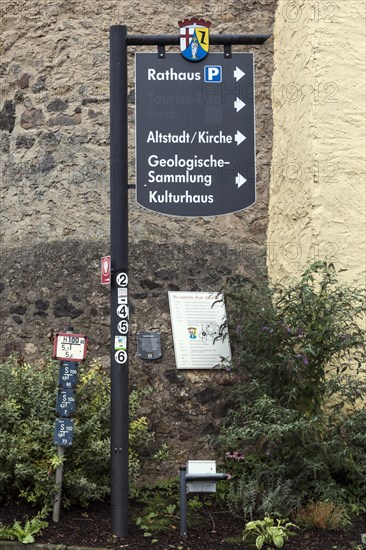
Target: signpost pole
x,y
119,278
58,480
119,251
59,471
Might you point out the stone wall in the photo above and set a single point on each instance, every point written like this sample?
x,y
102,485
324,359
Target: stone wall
x,y
54,186
317,206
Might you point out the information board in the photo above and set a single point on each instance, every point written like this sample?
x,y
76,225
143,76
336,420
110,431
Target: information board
x,y
149,345
195,134
197,319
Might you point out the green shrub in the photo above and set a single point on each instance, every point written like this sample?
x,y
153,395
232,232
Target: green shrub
x,y
295,428
27,453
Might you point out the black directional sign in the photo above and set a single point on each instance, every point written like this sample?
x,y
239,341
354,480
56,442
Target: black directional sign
x,y
195,134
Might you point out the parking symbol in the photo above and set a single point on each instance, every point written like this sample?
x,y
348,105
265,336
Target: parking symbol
x,y
213,73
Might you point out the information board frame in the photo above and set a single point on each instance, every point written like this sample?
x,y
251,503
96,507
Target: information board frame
x,y
197,318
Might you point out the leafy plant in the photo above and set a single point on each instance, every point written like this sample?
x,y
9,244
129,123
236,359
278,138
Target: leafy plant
x,y
157,507
159,503
266,532
24,534
27,452
157,522
294,430
303,343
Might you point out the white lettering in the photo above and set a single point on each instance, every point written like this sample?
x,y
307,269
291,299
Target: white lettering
x,y
151,74
206,137
169,197
158,137
189,164
188,177
170,74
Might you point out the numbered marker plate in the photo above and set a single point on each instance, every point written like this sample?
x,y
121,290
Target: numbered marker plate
x,y
68,375
65,404
122,311
64,432
69,346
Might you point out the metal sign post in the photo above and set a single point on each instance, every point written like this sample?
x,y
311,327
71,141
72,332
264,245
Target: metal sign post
x,y
70,348
119,40
119,279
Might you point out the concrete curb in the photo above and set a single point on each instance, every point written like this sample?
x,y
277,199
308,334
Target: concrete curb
x,y
13,545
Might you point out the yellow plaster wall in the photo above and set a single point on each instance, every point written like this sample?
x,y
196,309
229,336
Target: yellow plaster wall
x,y
317,188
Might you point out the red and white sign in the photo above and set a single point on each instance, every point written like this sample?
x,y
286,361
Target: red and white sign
x,y
106,270
70,347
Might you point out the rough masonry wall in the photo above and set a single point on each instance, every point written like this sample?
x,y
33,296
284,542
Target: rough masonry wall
x,y
54,186
317,195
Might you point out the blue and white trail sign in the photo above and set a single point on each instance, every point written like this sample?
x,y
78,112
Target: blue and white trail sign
x,y
65,403
64,432
67,375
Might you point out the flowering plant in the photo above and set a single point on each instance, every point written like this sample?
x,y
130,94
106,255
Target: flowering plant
x,y
297,338
297,408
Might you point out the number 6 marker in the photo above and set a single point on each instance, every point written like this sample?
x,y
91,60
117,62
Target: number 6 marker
x,y
120,357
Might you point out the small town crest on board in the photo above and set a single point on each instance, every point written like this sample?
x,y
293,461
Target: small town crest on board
x,y
194,38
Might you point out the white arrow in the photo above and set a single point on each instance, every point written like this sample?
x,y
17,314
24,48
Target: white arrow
x,y
239,138
240,180
238,104
238,74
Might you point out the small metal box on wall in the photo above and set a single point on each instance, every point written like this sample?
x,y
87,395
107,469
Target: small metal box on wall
x,y
200,467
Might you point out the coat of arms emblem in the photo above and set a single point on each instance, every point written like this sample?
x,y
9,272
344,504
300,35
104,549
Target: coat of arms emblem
x,y
194,38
